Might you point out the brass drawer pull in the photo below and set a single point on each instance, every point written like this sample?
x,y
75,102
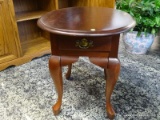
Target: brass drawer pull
x,y
84,43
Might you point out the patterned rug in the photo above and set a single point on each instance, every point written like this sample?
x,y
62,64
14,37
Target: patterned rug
x,y
27,92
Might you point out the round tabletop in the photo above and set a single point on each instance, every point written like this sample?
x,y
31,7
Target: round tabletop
x,y
86,21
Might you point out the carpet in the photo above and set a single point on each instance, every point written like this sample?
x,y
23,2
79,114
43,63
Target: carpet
x,y
27,92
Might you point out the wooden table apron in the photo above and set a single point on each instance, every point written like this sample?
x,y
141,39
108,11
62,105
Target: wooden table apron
x,y
98,40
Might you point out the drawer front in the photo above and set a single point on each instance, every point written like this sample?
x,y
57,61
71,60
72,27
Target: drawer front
x,y
84,43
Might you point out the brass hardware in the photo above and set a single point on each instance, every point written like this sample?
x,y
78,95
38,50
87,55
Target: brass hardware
x,y
84,43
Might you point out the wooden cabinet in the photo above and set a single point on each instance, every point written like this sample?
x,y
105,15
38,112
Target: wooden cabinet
x,y
34,41
9,44
21,39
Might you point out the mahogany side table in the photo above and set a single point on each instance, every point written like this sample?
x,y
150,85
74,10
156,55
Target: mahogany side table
x,y
85,31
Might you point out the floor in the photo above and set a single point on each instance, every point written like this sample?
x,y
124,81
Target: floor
x,y
27,92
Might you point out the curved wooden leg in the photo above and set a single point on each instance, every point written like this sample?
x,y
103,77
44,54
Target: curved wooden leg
x,y
105,76
56,74
68,74
68,60
55,67
112,77
111,70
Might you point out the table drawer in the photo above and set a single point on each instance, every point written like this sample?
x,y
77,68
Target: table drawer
x,y
85,43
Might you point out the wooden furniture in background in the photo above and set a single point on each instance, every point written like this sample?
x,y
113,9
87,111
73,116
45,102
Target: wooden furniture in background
x,y
9,45
86,32
20,38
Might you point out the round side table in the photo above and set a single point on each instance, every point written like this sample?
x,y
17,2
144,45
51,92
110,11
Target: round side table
x,y
85,31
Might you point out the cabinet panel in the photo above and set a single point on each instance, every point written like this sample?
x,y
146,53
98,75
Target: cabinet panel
x,y
9,47
101,3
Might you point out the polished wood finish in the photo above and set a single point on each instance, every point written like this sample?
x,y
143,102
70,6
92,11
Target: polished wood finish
x,y
55,64
101,25
68,74
84,31
28,41
101,45
112,72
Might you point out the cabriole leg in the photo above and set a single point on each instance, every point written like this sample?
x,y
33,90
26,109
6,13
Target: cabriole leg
x,y
68,74
56,74
112,73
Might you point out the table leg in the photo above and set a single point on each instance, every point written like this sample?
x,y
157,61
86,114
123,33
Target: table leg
x,y
112,72
68,74
56,74
105,76
55,67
